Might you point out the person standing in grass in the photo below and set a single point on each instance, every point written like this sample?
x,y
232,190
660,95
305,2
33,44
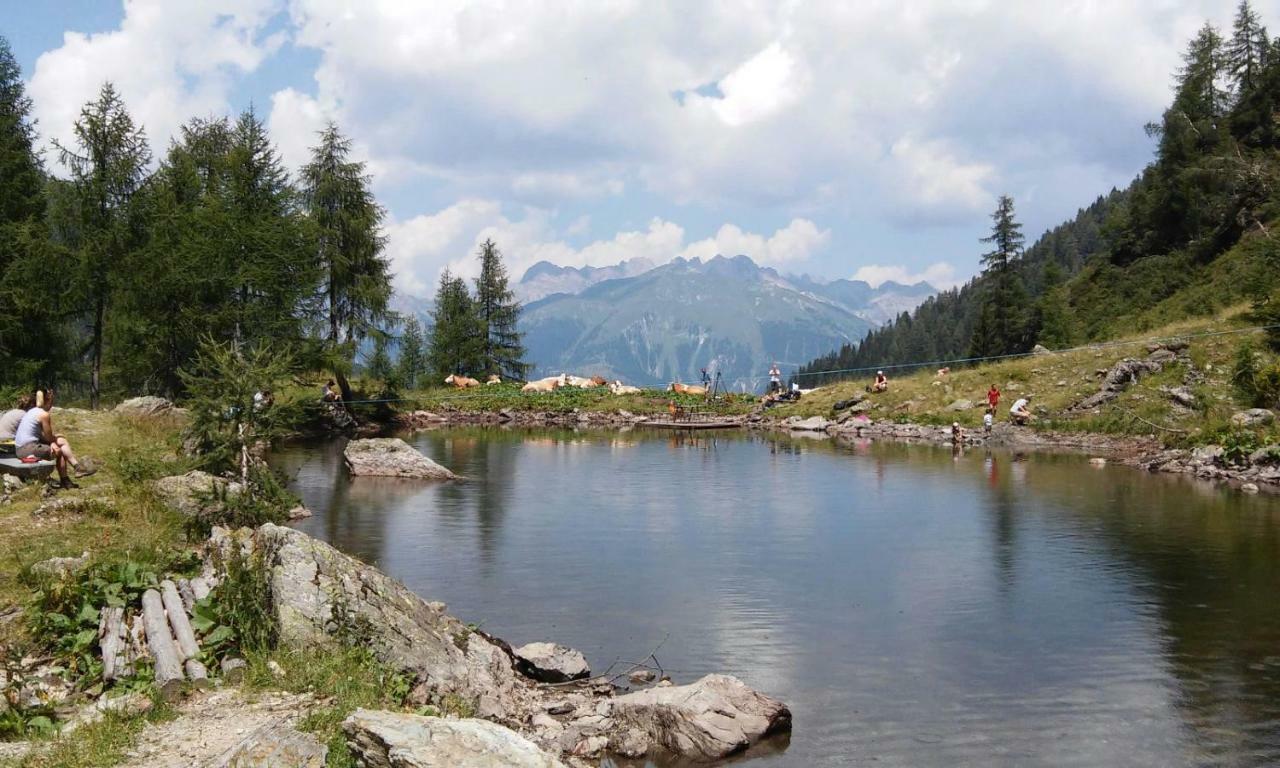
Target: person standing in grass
x,y
993,397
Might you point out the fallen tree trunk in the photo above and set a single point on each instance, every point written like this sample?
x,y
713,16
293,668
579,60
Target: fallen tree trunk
x,y
196,672
115,648
168,659
187,593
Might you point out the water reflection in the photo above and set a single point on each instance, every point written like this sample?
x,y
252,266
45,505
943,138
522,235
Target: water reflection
x,y
915,606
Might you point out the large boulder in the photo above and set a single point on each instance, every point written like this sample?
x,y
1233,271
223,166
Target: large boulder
x,y
811,424
1254,417
706,720
197,493
147,405
400,740
391,457
552,663
961,405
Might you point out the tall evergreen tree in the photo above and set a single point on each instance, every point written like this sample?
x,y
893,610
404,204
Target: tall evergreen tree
x,y
1246,52
1007,297
347,224
455,344
108,165
413,353
498,313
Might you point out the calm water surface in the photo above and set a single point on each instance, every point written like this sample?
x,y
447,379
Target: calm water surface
x,y
913,608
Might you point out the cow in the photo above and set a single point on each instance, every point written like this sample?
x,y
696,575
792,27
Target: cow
x,y
599,381
549,384
686,389
493,379
618,388
580,382
461,382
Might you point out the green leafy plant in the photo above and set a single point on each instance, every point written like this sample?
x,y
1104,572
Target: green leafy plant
x,y
238,616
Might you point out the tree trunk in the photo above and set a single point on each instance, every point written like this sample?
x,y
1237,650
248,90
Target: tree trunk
x,y
99,312
178,621
115,647
164,651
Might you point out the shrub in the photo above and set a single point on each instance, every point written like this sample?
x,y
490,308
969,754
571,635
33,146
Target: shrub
x,y
238,617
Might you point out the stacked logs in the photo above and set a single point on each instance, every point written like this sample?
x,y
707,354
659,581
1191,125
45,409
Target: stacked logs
x,y
161,632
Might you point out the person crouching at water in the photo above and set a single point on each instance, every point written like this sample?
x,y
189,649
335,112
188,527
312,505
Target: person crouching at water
x,y
1020,413
329,394
881,384
988,419
35,438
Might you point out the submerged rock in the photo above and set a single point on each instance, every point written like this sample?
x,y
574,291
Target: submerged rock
x,y
391,457
398,740
709,719
552,663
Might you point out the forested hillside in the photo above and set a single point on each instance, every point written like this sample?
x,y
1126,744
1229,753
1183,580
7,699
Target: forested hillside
x,y
1191,234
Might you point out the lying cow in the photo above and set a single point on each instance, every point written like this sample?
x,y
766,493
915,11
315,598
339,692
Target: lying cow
x,y
578,381
548,384
461,382
493,379
618,388
686,389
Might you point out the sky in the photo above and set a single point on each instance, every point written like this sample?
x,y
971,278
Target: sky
x,y
838,139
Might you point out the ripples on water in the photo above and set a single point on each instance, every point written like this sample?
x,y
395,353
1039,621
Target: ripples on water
x,y
913,608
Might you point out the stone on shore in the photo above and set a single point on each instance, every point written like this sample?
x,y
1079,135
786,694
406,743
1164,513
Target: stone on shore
x,y
1254,417
197,493
706,720
811,424
961,405
275,745
391,457
399,740
552,663
147,405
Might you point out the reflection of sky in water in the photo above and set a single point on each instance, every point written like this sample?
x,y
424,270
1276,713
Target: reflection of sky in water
x,y
912,608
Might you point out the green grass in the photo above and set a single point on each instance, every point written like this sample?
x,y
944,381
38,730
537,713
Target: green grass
x,y
97,745
562,400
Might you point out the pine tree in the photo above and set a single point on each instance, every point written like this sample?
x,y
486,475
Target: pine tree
x,y
498,313
1247,50
1008,299
455,344
379,366
413,353
1054,321
347,223
108,165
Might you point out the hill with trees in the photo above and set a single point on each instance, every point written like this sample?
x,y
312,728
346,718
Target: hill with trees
x,y
1191,235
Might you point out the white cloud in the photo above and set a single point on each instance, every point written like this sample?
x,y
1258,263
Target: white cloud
x,y
169,61
939,275
766,83
420,247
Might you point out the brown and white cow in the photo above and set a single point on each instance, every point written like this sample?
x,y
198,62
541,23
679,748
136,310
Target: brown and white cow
x,y
461,382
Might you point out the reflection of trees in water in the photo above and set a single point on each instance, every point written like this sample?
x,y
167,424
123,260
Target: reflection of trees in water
x,y
1004,520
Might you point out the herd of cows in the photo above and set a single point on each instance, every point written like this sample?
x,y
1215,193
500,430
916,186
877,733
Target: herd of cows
x,y
552,383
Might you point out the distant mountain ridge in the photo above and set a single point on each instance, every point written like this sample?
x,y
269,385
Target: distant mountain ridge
x,y
667,323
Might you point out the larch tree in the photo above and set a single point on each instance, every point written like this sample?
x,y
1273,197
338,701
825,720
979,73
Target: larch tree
x,y
107,163
1246,51
347,227
498,313
413,353
1007,296
455,343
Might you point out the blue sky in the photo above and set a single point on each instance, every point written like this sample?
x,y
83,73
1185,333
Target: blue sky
x,y
838,139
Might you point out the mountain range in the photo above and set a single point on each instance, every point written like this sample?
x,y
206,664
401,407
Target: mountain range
x,y
651,325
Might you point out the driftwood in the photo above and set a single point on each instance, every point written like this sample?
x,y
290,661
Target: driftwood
x,y
115,647
182,632
187,593
168,659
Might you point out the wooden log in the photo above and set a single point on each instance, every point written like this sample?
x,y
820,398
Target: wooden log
x,y
115,648
138,639
188,594
178,620
196,672
168,659
200,588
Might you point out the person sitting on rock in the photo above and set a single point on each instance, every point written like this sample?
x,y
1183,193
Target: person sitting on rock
x,y
1020,413
10,420
329,393
36,440
881,384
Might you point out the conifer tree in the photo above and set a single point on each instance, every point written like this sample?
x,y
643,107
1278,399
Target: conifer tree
x,y
379,366
108,165
1007,300
498,314
1246,53
455,345
413,354
347,224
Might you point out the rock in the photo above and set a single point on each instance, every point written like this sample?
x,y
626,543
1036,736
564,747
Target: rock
x,y
60,567
961,405
1267,455
590,746
1098,461
640,676
391,457
709,719
1254,417
275,745
275,669
551,663
811,424
1182,396
1162,356
1041,350
130,704
1249,488
233,670
298,513
145,406
631,743
11,482
1208,454
196,494
76,506
395,740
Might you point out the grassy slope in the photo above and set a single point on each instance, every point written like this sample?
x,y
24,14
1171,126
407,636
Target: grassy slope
x,y
1062,379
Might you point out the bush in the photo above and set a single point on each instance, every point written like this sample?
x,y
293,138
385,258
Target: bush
x,y
238,617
